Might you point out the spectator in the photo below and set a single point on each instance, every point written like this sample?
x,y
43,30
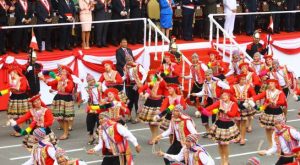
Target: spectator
x,y
4,10
210,8
121,53
276,5
250,6
86,7
44,14
290,17
187,19
255,46
101,13
137,10
23,14
166,15
66,11
229,10
120,10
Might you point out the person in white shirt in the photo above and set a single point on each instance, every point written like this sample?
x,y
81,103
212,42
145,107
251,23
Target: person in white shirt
x,y
285,138
197,74
43,152
179,133
237,59
229,10
113,140
192,153
134,76
211,91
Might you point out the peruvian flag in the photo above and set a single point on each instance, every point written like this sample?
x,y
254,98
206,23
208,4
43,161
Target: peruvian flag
x,y
33,43
271,24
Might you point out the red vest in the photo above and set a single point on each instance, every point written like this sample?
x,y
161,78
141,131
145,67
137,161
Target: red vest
x,y
199,72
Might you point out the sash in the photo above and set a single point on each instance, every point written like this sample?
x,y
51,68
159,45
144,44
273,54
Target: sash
x,y
46,5
24,5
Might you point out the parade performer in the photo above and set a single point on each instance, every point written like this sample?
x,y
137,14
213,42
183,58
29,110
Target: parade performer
x,y
169,70
296,92
242,91
274,99
63,104
257,64
283,75
285,138
237,59
112,79
174,51
211,92
192,153
180,127
94,99
153,91
113,140
224,130
18,101
135,75
40,116
115,108
168,105
216,65
62,159
197,74
251,77
43,152
268,61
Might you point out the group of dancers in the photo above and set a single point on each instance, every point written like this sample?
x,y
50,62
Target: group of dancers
x,y
230,96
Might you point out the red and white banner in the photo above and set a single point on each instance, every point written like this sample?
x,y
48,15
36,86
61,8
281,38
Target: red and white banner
x,y
81,64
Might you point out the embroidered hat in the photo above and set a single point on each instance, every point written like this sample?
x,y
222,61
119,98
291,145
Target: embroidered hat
x,y
253,161
243,64
108,62
89,77
35,98
39,133
192,138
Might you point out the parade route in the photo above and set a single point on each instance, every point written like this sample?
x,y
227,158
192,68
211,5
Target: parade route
x,y
12,152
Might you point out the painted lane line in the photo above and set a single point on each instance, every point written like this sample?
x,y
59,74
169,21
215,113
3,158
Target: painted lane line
x,y
95,161
241,154
289,121
24,157
140,129
11,146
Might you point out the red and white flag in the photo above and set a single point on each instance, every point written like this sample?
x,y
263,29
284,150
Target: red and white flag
x,y
271,24
33,43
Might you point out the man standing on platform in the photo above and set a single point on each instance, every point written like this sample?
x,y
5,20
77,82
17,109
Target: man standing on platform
x,y
250,6
276,5
121,53
255,46
210,8
101,13
23,14
137,10
187,21
66,11
44,14
290,17
120,10
229,10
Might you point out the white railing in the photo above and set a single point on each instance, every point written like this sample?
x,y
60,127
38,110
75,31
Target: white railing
x,y
233,43
157,31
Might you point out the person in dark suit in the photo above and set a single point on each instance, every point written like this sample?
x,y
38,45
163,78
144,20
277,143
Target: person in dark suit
x,y
188,10
250,6
255,46
66,11
101,12
23,14
121,53
44,14
5,8
210,8
290,17
137,10
276,5
120,10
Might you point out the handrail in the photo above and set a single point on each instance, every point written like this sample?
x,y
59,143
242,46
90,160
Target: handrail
x,y
164,38
226,35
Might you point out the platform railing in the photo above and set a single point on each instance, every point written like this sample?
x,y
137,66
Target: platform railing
x,y
152,28
232,43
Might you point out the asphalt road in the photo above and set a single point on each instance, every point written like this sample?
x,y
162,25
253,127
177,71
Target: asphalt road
x,y
12,153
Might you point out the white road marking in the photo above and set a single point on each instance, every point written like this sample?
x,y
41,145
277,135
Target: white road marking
x,y
140,129
292,110
241,154
11,146
289,121
24,157
95,161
